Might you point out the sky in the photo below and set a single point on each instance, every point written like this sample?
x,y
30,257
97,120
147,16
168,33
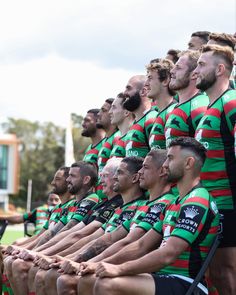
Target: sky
x,y
60,57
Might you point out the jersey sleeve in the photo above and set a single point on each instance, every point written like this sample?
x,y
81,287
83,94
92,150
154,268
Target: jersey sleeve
x,y
235,140
46,225
126,224
190,222
159,224
152,216
196,214
30,216
85,207
229,106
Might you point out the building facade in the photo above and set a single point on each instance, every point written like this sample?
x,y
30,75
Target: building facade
x,y
9,168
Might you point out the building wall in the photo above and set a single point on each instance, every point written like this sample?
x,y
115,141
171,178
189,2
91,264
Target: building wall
x,y
9,167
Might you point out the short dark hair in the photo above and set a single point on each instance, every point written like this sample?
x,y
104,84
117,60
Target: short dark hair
x,y
155,60
174,53
94,112
87,169
109,100
122,96
134,164
192,145
65,171
204,35
158,156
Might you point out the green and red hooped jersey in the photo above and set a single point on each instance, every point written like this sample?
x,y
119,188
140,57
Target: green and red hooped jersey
x,y
106,148
138,134
80,209
216,131
123,213
154,209
142,209
157,138
57,213
39,216
118,150
195,219
91,153
184,118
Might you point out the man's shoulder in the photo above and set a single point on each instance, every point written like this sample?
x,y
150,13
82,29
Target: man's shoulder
x,y
197,193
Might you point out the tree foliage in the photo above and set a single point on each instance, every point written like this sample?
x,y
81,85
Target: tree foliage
x,y
42,149
80,142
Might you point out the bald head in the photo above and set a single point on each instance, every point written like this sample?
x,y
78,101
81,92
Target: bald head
x,y
132,92
135,84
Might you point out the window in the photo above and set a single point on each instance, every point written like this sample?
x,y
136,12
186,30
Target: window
x,y
3,166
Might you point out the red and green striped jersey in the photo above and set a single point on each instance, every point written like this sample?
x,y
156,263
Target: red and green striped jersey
x,y
57,213
91,153
139,213
106,148
154,107
157,138
216,131
184,118
138,134
38,216
118,150
154,209
125,212
80,209
195,219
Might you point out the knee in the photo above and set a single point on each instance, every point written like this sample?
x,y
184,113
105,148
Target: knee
x,y
32,273
51,277
39,278
19,266
8,261
105,286
85,285
66,284
19,270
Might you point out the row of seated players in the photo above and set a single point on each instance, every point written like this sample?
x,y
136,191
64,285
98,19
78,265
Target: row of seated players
x,y
180,225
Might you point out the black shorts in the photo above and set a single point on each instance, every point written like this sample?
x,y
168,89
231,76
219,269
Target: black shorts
x,y
228,221
170,285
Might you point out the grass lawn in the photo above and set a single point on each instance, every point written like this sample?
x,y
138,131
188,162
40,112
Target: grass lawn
x,y
11,235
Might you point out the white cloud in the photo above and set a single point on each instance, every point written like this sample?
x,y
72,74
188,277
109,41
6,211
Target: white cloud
x,y
51,87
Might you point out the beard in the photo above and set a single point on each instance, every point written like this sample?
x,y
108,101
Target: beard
x,y
181,83
174,177
75,188
206,82
59,190
132,103
88,132
99,126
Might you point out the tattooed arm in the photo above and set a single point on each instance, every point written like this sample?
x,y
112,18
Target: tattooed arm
x,y
102,243
50,234
132,236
